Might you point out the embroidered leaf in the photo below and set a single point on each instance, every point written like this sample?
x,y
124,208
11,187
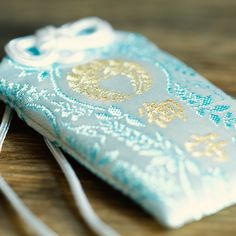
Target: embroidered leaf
x,y
201,111
114,111
207,101
103,116
108,157
93,152
220,108
133,122
228,124
43,75
228,115
215,118
192,102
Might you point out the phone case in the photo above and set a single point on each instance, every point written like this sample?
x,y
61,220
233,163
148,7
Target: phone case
x,y
132,114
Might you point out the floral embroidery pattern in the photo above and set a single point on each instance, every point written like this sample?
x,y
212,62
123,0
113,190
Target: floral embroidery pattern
x,y
177,84
163,170
204,106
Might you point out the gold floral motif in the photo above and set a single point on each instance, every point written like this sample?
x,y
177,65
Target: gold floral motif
x,y
85,79
207,146
162,113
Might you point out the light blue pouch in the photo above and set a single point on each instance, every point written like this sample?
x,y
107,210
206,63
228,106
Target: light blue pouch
x,y
132,114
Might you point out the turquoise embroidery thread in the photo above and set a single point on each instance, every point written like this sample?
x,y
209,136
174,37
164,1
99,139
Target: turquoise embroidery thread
x,y
146,185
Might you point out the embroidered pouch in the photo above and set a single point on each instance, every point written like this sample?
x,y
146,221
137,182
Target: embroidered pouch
x,y
131,113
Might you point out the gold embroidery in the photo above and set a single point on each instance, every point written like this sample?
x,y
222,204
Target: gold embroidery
x,y
85,79
207,146
162,113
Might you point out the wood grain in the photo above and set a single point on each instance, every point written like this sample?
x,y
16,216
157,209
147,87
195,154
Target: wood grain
x,y
201,33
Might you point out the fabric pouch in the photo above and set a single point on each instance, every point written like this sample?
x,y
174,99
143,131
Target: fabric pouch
x,y
134,115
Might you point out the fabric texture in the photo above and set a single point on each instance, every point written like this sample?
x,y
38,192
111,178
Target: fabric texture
x,y
134,115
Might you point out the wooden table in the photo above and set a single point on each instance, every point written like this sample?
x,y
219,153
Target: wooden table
x,y
201,33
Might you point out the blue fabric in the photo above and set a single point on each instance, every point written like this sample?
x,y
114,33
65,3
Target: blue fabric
x,y
154,163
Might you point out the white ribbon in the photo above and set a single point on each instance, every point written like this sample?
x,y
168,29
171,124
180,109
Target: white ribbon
x,y
82,203
5,124
65,44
